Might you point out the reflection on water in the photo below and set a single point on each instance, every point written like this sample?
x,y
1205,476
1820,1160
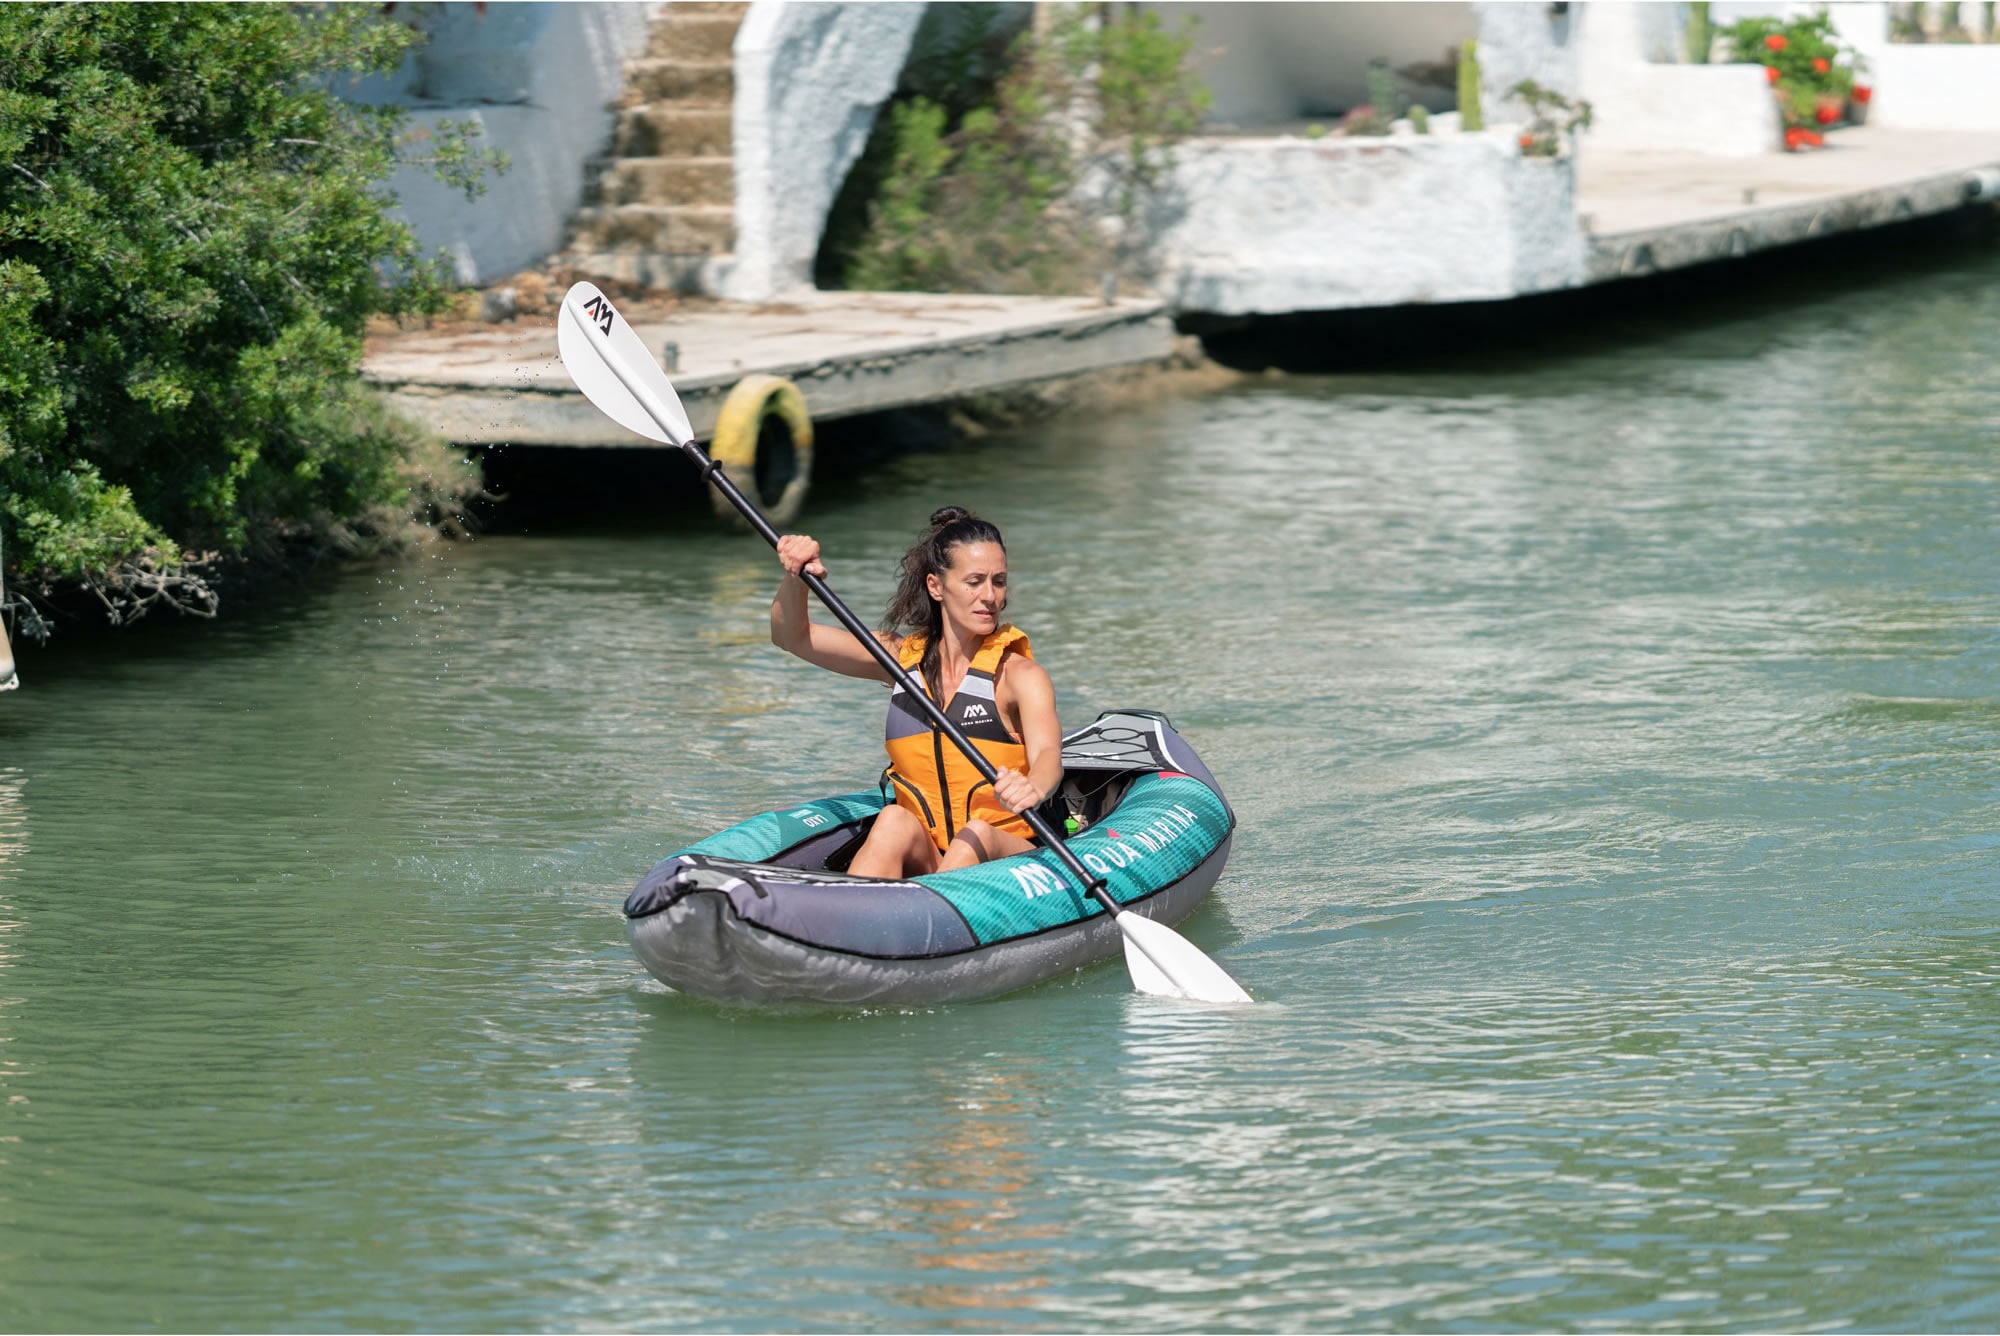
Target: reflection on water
x,y
1615,746
13,820
13,847
979,1228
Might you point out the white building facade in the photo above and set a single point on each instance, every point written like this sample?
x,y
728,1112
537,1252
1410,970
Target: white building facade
x,y
1263,214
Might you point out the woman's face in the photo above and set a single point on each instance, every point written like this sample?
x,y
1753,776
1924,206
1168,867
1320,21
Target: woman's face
x,y
974,590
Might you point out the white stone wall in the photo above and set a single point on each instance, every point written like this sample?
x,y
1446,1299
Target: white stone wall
x,y
1258,226
810,77
1937,88
1922,87
540,81
1523,41
1627,68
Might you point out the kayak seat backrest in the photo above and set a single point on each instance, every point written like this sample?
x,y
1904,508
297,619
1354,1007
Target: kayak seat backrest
x,y
1084,796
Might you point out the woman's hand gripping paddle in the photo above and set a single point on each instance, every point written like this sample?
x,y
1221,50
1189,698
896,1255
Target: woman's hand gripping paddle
x,y
613,369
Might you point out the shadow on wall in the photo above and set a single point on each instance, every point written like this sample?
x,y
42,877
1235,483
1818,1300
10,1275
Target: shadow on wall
x,y
538,81
472,54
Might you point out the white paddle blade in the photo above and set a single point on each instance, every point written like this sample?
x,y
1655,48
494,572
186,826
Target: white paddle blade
x,y
1166,964
597,346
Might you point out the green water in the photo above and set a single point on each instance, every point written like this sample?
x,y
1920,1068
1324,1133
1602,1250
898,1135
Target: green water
x,y
1616,738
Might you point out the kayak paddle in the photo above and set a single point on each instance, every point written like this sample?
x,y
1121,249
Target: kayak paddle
x,y
615,372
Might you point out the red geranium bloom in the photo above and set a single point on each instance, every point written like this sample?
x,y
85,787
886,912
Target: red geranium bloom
x,y
1826,115
1770,74
1776,41
1821,64
1527,141
1862,92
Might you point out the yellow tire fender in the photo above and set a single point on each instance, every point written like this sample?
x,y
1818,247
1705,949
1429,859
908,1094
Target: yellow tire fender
x,y
743,427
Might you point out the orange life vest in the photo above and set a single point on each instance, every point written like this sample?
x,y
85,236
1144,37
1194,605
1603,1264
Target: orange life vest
x,y
932,778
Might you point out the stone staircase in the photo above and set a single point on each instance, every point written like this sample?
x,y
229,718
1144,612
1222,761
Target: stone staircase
x,y
661,211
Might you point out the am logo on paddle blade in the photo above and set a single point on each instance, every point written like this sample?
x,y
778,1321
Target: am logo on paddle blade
x,y
598,308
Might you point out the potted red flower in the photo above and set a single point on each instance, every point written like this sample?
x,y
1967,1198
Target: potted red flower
x,y
1811,74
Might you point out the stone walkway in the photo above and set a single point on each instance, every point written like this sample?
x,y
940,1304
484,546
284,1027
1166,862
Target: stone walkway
x,y
1644,212
849,352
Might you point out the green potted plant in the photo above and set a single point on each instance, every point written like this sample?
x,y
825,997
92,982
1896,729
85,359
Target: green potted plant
x,y
1811,73
1552,118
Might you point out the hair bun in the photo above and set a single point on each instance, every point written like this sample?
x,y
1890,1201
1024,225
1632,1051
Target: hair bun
x,y
944,515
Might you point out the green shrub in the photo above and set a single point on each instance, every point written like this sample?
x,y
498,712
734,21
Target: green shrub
x,y
1012,190
1552,118
193,234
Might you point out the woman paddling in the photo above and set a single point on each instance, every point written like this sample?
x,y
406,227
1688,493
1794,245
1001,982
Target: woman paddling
x,y
944,625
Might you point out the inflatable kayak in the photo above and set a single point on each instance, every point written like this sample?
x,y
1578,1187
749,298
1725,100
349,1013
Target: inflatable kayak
x,y
764,912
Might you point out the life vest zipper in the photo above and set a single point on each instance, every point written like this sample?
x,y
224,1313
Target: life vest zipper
x,y
916,793
972,792
944,784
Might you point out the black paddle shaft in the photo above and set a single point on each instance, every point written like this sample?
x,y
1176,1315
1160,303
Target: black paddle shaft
x,y
1043,830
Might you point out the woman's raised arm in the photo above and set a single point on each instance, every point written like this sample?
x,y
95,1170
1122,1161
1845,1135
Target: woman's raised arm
x,y
793,629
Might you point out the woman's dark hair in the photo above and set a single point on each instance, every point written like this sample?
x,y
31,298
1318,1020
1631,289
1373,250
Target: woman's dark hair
x,y
913,610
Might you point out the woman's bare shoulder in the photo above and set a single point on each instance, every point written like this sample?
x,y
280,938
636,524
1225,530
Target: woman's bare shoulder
x,y
1018,671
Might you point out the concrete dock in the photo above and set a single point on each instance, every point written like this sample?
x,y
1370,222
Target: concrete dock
x,y
859,352
1647,212
848,352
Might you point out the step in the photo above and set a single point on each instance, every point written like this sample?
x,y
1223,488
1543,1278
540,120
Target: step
x,y
667,181
680,273
660,130
690,229
697,36
712,82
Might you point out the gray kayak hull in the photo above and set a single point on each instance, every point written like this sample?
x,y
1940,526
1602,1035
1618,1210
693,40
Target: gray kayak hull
x,y
700,946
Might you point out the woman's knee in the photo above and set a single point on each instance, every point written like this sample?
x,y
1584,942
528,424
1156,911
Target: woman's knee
x,y
897,823
972,844
898,845
901,830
